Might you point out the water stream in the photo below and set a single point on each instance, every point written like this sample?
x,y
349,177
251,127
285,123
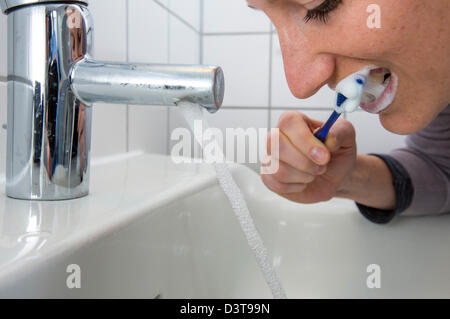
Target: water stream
x,y
192,113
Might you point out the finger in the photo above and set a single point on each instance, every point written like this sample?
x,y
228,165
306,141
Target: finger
x,y
290,175
282,188
299,130
289,154
342,135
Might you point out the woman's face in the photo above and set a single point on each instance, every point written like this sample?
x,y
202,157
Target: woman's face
x,y
413,43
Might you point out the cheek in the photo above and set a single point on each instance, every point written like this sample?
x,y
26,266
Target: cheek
x,y
348,34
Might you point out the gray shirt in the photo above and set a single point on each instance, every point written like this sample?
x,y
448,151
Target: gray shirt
x,y
426,159
420,173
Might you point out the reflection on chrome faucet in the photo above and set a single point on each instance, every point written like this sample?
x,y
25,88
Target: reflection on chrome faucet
x,y
53,82
27,226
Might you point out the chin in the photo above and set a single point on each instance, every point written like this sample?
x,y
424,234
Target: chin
x,y
396,125
404,123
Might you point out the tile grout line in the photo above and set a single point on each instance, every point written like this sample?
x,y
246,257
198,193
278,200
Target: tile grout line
x,y
167,130
127,57
277,108
169,48
269,117
168,122
201,57
176,16
202,28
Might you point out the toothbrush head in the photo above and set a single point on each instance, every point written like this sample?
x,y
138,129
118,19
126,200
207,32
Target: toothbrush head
x,y
349,92
340,99
361,80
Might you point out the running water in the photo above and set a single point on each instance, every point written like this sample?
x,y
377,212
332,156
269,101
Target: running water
x,y
192,113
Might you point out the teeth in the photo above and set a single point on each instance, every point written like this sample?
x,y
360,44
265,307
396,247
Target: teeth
x,y
376,84
377,78
365,86
374,89
368,98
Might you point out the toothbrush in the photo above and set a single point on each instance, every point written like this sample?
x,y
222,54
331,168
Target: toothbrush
x,y
322,133
349,94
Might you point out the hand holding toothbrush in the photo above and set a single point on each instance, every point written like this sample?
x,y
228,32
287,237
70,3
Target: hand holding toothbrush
x,y
319,161
315,159
311,171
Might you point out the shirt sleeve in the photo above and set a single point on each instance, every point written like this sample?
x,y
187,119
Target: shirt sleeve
x,y
430,180
404,192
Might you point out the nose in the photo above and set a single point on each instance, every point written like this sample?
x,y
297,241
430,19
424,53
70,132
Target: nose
x,y
306,66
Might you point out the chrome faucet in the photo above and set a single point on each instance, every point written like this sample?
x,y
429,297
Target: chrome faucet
x,y
53,82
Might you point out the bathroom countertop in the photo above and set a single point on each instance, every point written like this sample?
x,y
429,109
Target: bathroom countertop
x,y
122,188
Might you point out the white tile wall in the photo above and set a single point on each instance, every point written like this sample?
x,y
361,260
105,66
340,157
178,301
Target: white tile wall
x,y
225,16
155,36
188,10
165,3
3,46
3,89
176,120
148,129
110,29
244,118
3,96
184,49
245,61
371,137
184,45
148,42
148,37
109,134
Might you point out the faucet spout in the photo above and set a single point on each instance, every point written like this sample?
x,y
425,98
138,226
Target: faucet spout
x,y
148,84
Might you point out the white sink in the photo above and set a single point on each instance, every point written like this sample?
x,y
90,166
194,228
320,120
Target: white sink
x,y
151,227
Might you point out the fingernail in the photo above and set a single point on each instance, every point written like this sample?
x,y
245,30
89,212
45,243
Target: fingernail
x,y
318,154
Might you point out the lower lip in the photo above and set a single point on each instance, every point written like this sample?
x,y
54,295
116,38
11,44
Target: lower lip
x,y
385,99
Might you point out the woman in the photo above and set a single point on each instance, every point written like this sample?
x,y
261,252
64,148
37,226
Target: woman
x,y
324,41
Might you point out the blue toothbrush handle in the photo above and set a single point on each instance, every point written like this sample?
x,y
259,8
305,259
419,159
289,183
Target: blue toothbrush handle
x,y
322,133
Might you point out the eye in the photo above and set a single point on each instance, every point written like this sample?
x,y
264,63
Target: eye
x,y
321,12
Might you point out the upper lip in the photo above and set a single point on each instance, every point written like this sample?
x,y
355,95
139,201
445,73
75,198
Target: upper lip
x,y
332,85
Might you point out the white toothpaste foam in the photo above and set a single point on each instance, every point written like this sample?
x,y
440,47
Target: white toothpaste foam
x,y
352,87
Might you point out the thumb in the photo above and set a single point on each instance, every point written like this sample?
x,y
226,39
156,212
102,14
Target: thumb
x,y
342,135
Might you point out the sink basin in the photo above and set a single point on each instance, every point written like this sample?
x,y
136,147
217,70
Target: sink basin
x,y
152,228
